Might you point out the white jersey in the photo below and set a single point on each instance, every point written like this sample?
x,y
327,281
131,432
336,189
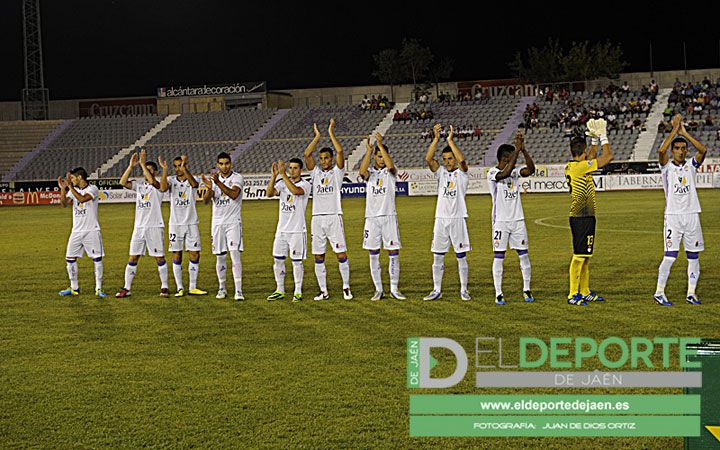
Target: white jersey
x,y
225,209
452,187
182,202
505,196
291,218
380,193
679,185
326,186
85,216
148,201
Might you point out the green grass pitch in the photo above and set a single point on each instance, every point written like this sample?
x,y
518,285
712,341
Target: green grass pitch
x,y
146,371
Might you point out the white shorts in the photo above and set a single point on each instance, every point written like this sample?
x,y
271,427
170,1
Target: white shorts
x,y
150,238
381,230
685,228
90,241
294,244
513,232
448,231
327,227
226,237
187,234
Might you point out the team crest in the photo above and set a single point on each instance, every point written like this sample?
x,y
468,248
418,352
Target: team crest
x,y
325,181
145,196
379,182
450,184
183,194
682,180
289,198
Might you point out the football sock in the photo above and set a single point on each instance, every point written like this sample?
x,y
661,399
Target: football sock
x,y
344,267
163,271
236,270
177,273
585,277
525,268
193,269
98,273
394,269
221,269
72,273
375,270
576,266
298,272
130,270
497,270
462,271
438,269
320,274
693,271
279,269
664,271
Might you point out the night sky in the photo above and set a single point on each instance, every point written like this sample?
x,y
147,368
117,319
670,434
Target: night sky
x,y
106,48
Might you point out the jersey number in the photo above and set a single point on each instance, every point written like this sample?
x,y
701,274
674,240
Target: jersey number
x,y
567,177
590,239
171,237
498,235
669,233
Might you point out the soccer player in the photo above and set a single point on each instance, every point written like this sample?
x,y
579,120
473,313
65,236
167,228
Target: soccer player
x,y
85,234
682,209
290,236
327,223
450,213
225,190
508,220
381,226
148,232
578,174
183,189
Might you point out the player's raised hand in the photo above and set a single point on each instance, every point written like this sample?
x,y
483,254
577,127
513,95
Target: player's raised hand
x,y
451,134
68,180
331,128
61,183
134,160
591,128
215,177
378,137
183,161
281,166
436,131
676,121
163,164
519,141
143,157
206,181
317,132
600,127
274,169
368,147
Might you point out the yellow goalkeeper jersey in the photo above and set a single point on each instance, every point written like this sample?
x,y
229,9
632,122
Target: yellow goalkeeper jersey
x,y
582,189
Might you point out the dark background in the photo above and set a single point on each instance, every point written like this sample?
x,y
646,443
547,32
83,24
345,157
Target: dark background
x,y
109,48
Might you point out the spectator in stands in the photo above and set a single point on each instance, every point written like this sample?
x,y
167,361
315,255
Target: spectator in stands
x,y
708,120
662,127
555,121
693,125
478,132
365,103
637,123
549,96
486,96
425,134
628,123
478,96
653,91
423,98
626,88
397,117
668,112
611,121
677,83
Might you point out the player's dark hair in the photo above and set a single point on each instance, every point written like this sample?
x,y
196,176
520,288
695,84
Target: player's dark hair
x,y
296,161
577,146
678,140
446,150
224,155
504,150
326,150
179,158
152,164
79,171
377,149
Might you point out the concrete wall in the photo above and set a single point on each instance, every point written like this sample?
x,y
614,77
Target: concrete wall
x,y
667,78
10,111
354,94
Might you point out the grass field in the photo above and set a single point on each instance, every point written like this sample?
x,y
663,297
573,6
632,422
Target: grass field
x,y
84,372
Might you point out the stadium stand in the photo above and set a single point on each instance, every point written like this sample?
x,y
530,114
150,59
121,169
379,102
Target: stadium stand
x,y
200,136
549,144
291,135
684,99
17,138
87,143
408,147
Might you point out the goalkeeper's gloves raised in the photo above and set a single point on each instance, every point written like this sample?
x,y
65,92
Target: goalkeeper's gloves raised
x,y
592,132
600,129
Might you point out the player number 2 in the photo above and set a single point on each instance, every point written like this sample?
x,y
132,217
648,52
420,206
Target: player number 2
x,y
669,234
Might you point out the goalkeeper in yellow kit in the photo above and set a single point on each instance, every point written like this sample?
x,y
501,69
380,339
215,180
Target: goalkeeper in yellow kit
x,y
578,173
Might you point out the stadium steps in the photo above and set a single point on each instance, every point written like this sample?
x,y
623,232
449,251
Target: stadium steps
x,y
644,144
22,141
119,156
508,131
260,133
359,152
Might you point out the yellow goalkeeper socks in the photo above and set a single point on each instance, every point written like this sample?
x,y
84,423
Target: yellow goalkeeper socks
x,y
576,266
585,278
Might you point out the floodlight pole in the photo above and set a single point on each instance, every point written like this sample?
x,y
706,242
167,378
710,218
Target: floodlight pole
x,y
35,97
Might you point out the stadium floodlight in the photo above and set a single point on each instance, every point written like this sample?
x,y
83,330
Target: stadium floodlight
x,y
35,97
